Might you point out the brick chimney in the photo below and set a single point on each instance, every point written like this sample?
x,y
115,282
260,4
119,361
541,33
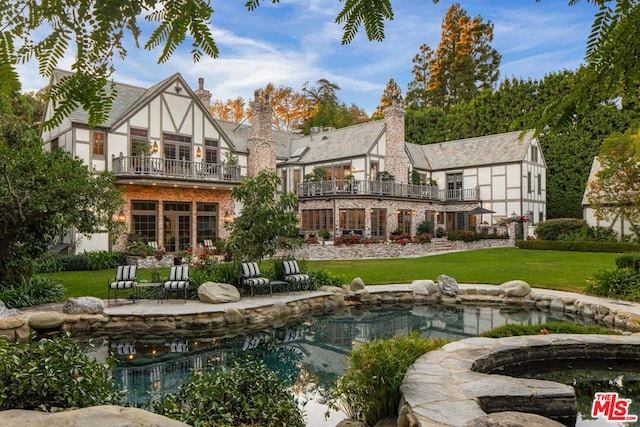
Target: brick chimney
x,y
262,151
202,94
396,161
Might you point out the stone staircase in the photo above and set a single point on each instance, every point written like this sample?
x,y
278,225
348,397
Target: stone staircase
x,y
442,244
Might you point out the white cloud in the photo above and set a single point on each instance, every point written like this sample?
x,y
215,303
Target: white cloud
x,y
297,41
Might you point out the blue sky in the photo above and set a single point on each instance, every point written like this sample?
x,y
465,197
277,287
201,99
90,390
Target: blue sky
x,y
297,41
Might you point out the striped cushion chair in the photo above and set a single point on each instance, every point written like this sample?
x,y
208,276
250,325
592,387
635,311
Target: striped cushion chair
x,y
125,279
293,275
252,277
178,280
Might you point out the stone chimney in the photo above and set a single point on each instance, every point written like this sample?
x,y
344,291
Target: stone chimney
x,y
262,151
396,161
202,94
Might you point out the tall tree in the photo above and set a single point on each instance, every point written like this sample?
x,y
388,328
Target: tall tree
x,y
290,108
417,96
264,219
324,92
464,62
58,191
231,110
615,192
392,95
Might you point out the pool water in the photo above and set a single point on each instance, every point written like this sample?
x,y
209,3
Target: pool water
x,y
588,378
309,354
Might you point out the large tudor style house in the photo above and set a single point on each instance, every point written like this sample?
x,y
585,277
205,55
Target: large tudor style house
x,y
178,165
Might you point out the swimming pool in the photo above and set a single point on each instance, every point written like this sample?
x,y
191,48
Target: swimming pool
x,y
308,354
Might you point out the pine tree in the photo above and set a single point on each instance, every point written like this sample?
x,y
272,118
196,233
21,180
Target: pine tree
x,y
463,64
391,95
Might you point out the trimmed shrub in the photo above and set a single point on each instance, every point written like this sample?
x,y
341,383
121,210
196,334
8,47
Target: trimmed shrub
x,y
551,328
578,246
103,260
465,236
557,229
75,262
246,394
32,291
370,388
629,261
49,262
53,373
621,283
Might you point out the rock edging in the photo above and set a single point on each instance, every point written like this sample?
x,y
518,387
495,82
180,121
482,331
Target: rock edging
x,y
454,386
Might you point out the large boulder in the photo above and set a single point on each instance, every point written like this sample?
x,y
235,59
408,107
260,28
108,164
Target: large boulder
x,y
83,305
448,286
46,320
8,312
357,284
423,287
95,416
515,288
216,293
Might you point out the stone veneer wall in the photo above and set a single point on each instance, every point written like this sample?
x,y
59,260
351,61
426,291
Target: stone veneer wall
x,y
262,152
394,250
396,161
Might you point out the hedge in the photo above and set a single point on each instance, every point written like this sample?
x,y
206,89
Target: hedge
x,y
553,245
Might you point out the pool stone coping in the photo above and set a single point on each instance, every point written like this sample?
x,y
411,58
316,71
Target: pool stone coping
x,y
454,385
149,317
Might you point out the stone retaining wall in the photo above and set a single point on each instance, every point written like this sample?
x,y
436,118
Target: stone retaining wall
x,y
394,250
221,321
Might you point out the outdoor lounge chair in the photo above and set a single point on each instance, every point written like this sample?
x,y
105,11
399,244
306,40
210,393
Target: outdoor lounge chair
x,y
178,280
251,276
125,279
293,275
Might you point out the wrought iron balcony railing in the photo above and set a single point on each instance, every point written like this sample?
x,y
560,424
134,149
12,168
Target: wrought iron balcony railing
x,y
145,166
384,189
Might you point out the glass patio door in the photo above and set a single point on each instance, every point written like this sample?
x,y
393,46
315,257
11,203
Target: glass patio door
x,y
177,227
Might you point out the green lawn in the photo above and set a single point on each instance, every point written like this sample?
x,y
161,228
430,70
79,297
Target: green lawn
x,y
544,269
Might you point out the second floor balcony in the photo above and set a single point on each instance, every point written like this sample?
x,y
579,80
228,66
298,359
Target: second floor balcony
x,y
132,167
386,189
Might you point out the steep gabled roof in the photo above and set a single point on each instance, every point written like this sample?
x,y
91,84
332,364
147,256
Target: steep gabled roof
x,y
349,142
147,95
126,96
480,151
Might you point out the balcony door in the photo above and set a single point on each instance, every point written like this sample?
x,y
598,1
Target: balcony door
x,y
177,226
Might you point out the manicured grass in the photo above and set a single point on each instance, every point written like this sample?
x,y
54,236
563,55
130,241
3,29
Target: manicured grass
x,y
543,269
93,283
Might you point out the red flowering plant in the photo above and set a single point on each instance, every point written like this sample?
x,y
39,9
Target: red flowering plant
x,y
422,238
397,237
